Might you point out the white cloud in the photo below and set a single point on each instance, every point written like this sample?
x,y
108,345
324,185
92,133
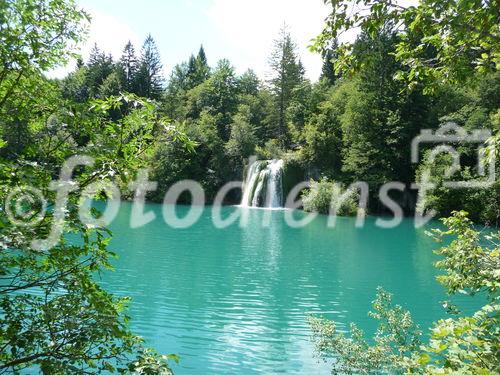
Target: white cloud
x,y
244,32
109,33
249,27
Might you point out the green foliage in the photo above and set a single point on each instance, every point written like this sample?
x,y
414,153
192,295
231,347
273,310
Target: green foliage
x,y
149,363
441,41
112,86
101,76
464,344
175,93
198,70
248,83
330,56
345,127
379,120
299,108
239,108
323,197
293,172
270,150
127,68
217,96
70,322
36,36
474,108
471,263
360,129
74,86
288,73
149,79
482,204
171,163
262,113
322,135
395,341
53,314
98,68
242,142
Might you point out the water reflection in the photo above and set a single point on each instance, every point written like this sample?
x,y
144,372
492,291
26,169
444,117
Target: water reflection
x,y
235,300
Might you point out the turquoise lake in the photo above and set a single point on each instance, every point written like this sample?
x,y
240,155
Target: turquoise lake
x,y
236,300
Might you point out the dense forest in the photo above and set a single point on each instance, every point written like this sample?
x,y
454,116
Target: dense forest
x,y
355,123
342,128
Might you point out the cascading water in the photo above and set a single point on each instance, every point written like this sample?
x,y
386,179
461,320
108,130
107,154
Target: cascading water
x,y
263,185
251,180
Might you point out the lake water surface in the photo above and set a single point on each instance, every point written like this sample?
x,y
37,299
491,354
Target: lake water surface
x,y
236,300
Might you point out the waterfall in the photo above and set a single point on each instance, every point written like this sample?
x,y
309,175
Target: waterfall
x,y
252,176
274,184
263,185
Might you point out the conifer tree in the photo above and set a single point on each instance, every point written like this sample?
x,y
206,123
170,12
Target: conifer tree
x,y
149,78
203,70
198,70
99,67
287,74
248,83
202,57
128,67
328,70
191,73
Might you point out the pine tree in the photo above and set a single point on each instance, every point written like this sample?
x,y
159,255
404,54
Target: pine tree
x,y
288,73
99,67
128,67
328,70
202,57
191,76
149,78
248,83
203,70
198,70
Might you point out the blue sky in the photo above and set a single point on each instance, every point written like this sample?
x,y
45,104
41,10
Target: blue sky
x,y
239,30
